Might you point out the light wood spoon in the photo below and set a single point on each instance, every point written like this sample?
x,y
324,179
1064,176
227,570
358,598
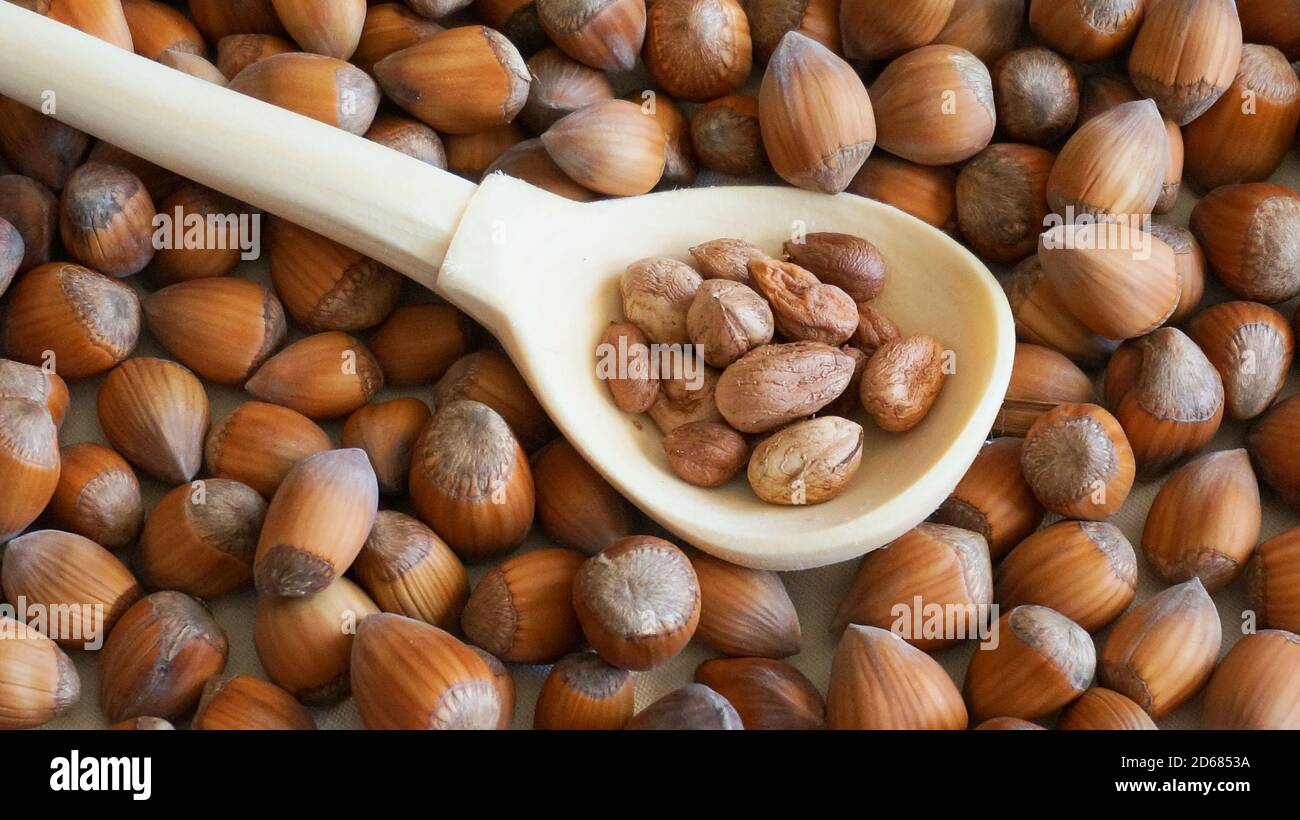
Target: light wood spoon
x,y
541,273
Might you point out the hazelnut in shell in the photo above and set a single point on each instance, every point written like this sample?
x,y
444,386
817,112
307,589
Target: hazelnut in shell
x,y
41,682
1113,165
698,50
878,681
1002,200
333,29
1042,661
1271,581
409,570
155,413
694,707
38,146
106,219
257,444
487,376
326,286
1251,237
418,343
98,496
926,192
767,694
1087,30
387,432
604,34
324,376
30,208
575,505
611,147
872,31
314,85
584,692
1256,685
744,612
223,328
726,137
986,28
410,137
156,27
944,80
184,261
1036,92
243,702
1078,461
1043,317
235,52
1186,54
1106,709
993,499
29,463
24,381
1275,449
560,85
1252,346
521,610
769,20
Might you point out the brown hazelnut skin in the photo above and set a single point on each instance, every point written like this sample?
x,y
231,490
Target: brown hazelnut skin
x,y
106,219
638,601
902,381
727,320
698,50
850,263
1036,92
1002,200
706,453
727,138
636,389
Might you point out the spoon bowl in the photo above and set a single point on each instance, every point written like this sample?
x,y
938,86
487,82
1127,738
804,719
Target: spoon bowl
x,y
541,274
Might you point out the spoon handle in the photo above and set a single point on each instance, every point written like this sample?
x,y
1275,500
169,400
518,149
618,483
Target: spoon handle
x,y
380,202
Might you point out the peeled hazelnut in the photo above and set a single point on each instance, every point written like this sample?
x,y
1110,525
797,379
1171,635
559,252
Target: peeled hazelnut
x,y
1275,449
389,28
848,262
1101,708
1251,345
1167,396
59,572
71,319
200,539
158,658
387,432
470,481
29,463
155,412
528,161
258,443
776,384
726,259
316,523
726,136
305,644
744,612
182,261
224,328
809,144
487,376
638,601
1118,280
680,168
459,81
769,20
24,381
611,147
470,155
604,34
767,694
38,146
522,609
97,496
322,376
409,570
931,566
993,499
1085,570
986,28
1042,317
728,319
410,137
30,208
242,702
1251,236
705,453
943,80
902,380
326,286
693,707
873,31
1245,135
657,296
1002,200
1189,261
1041,661
875,330
1086,30
1256,685
808,462
1186,54
634,386
1078,461
583,692
341,94
1185,537
926,192
804,308
1163,650
418,343
41,681
409,675
1113,165
1037,95
575,506
697,50
238,51
560,85
880,682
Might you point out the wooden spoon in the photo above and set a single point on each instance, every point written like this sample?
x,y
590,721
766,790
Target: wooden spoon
x,y
541,273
